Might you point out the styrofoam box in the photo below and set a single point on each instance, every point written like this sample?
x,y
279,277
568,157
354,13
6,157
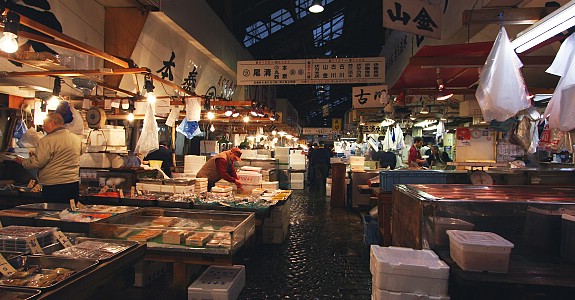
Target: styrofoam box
x,y
479,250
281,151
379,294
209,147
296,185
251,168
297,166
407,270
297,176
249,153
177,189
357,160
195,159
148,187
282,159
218,283
270,185
250,177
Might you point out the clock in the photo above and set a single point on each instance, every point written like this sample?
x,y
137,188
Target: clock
x,y
480,178
476,134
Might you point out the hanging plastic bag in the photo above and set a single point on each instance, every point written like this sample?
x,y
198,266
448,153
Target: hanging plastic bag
x,y
148,140
534,138
521,133
560,108
65,110
19,129
174,113
30,138
188,128
77,124
501,92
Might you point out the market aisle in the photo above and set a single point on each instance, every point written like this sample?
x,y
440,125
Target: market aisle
x,y
323,256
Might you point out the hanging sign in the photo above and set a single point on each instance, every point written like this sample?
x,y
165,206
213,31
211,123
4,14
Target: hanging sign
x,y
336,124
312,71
418,17
370,96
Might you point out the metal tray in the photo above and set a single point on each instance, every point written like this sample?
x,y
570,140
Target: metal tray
x,y
78,266
14,293
100,255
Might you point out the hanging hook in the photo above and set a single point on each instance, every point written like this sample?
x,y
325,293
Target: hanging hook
x,y
500,19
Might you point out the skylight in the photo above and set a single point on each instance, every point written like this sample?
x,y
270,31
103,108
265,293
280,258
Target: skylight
x,y
328,31
259,30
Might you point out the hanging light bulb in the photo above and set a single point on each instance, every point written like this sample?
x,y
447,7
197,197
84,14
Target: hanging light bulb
x,y
149,87
228,112
274,132
54,101
424,110
235,114
246,119
316,7
212,128
130,117
211,115
9,42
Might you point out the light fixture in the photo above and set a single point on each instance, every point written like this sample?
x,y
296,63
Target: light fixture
x,y
235,113
442,95
361,121
211,115
556,22
228,112
246,119
149,87
9,42
274,132
130,117
273,116
54,101
412,117
212,128
424,110
316,7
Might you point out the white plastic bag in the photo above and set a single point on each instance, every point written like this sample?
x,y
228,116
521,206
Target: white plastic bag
x,y
148,140
501,92
77,124
561,107
30,138
173,117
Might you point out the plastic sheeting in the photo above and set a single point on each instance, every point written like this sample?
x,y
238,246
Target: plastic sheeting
x,y
561,107
501,92
399,141
148,140
173,117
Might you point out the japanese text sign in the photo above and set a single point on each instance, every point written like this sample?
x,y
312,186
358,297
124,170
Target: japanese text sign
x,y
312,71
369,96
317,130
417,17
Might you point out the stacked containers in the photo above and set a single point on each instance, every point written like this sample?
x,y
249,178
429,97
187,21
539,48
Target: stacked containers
x,y
357,163
193,163
201,185
404,273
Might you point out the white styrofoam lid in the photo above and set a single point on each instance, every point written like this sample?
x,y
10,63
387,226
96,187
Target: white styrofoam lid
x,y
408,262
568,217
484,240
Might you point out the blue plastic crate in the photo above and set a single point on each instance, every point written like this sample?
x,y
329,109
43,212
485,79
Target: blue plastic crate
x,y
371,234
389,178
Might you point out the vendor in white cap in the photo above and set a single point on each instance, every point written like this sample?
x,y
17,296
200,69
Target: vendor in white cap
x,y
220,167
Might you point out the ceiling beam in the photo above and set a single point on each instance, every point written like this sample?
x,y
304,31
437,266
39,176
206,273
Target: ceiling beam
x,y
506,16
472,61
71,73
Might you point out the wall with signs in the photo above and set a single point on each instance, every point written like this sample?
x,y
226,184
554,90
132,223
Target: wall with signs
x,y
161,42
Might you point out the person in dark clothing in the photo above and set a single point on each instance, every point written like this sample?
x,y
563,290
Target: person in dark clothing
x,y
438,158
387,159
311,165
321,159
163,154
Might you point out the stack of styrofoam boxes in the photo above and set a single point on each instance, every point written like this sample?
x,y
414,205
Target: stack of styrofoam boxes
x,y
275,227
146,271
218,282
250,180
297,160
193,163
404,273
357,163
209,147
249,154
223,190
109,138
149,187
270,185
201,185
282,156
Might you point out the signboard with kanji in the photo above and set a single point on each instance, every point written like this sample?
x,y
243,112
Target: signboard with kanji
x,y
316,130
370,96
336,124
417,17
312,71
372,128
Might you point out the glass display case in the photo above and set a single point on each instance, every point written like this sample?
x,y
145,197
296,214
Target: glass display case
x,y
190,231
528,216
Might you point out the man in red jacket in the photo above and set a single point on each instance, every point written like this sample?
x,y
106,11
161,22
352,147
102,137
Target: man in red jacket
x,y
220,167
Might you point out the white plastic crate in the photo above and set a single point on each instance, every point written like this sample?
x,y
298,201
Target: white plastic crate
x,y
218,283
479,250
408,271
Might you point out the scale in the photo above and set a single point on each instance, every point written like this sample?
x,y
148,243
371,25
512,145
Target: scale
x,y
480,178
95,117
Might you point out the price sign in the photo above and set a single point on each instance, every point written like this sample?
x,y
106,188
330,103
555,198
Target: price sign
x,y
6,268
34,246
63,239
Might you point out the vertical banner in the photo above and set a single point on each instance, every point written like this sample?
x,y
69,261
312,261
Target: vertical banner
x,y
417,17
336,125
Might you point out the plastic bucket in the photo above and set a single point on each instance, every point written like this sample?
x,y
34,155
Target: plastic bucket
x,y
155,164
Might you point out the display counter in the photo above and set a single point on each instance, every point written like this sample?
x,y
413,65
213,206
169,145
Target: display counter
x,y
357,179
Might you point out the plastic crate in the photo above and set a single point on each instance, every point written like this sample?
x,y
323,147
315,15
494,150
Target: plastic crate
x,y
389,178
371,234
218,283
